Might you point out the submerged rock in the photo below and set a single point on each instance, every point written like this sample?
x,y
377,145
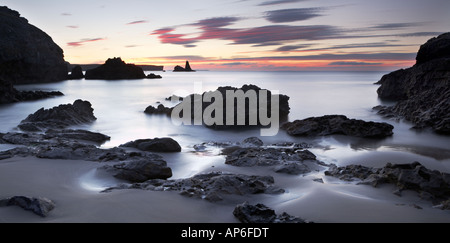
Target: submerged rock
x,y
80,112
430,184
140,170
39,206
27,54
115,69
155,145
261,214
161,109
77,73
422,91
153,76
337,124
8,94
212,186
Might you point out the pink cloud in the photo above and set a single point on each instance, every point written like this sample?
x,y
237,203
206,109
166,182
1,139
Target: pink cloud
x,y
84,41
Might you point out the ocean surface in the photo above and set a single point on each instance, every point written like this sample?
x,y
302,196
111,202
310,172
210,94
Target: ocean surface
x,y
119,107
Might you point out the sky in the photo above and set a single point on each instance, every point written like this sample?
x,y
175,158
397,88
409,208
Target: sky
x,y
241,35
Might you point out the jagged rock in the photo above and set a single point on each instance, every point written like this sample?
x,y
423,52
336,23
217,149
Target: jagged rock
x,y
431,184
252,142
80,112
155,145
8,94
39,206
260,213
77,135
27,54
77,73
187,68
422,91
212,186
337,124
115,69
140,170
161,109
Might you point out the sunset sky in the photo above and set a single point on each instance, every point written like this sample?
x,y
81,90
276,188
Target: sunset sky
x,y
274,35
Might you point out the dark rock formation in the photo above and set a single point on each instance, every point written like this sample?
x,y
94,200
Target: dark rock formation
x,y
153,76
27,54
261,214
77,135
115,69
430,184
422,91
238,107
187,68
77,73
80,112
8,94
212,186
337,124
161,109
155,145
53,137
140,170
39,206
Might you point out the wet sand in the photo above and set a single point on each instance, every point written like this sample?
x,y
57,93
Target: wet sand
x,y
75,188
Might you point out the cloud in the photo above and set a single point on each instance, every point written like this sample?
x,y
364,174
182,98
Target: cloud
x,y
277,2
72,26
84,41
189,57
66,14
137,22
336,57
291,15
354,64
235,63
292,48
396,25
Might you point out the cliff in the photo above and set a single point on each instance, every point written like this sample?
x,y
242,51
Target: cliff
x,y
423,90
27,54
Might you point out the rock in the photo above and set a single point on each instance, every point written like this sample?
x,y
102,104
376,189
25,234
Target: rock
x,y
212,186
80,112
430,184
174,98
115,69
77,73
245,110
8,94
27,54
78,135
284,160
422,91
140,170
153,76
161,109
337,124
39,206
261,214
187,68
252,142
155,145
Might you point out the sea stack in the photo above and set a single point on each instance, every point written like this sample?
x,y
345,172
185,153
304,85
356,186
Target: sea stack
x,y
115,69
27,54
187,68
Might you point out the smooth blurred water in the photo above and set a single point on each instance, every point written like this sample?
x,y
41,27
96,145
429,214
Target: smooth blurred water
x,y
119,106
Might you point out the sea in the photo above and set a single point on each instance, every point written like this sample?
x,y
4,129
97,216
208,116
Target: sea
x,y
119,107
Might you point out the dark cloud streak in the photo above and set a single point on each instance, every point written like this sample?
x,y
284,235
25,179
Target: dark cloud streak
x,y
292,15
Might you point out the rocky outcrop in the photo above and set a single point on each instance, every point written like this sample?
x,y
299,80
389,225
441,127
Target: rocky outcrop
x,y
27,54
115,69
161,109
422,91
337,124
140,170
238,108
77,73
80,112
430,184
153,76
8,94
39,206
155,145
187,68
212,186
261,214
